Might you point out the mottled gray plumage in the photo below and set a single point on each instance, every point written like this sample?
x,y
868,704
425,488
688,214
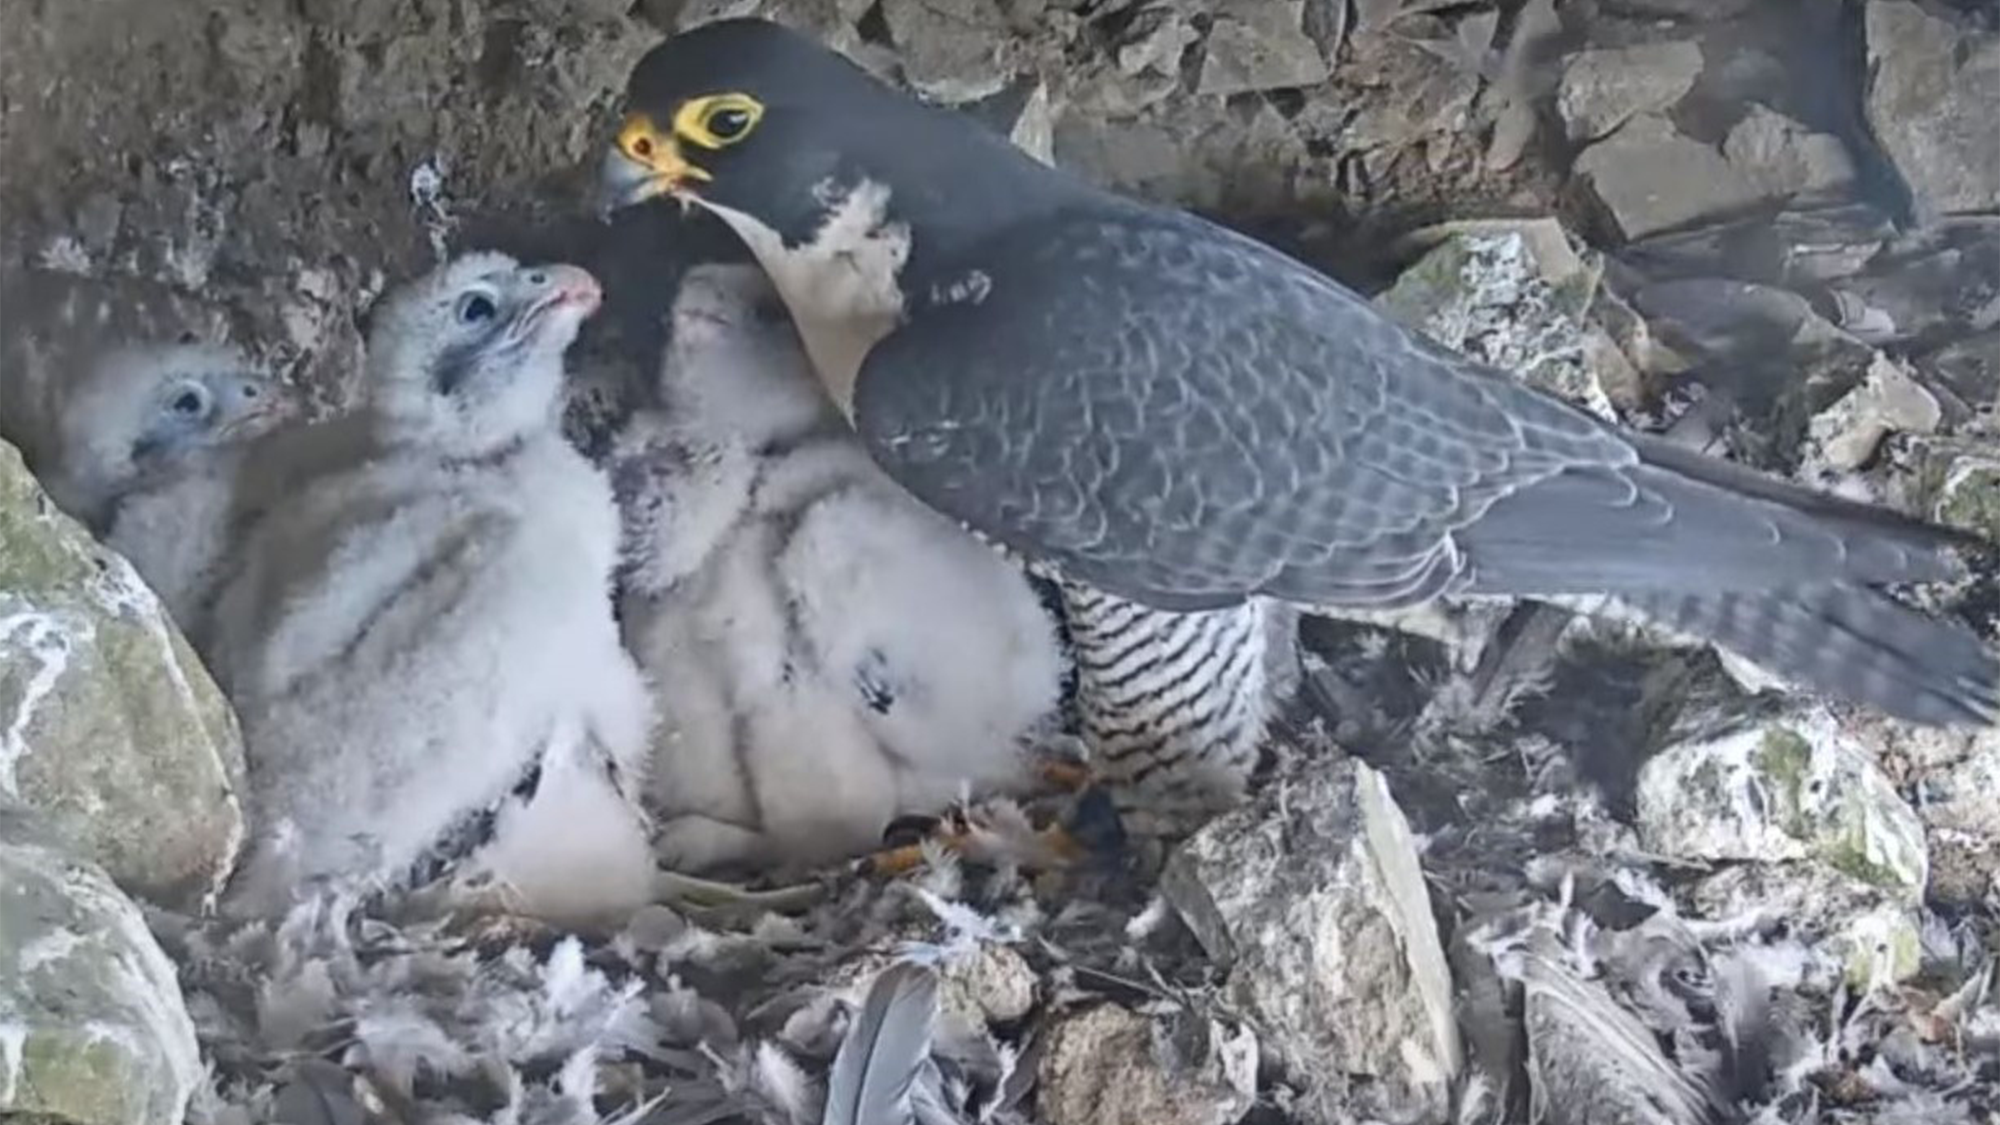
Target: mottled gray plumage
x,y
875,1072
1173,413
1257,429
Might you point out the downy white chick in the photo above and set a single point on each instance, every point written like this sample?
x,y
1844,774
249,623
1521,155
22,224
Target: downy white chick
x,y
414,635
147,448
826,653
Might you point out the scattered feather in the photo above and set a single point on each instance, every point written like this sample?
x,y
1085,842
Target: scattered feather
x,y
877,1067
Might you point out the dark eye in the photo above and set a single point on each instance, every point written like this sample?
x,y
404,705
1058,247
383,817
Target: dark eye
x,y
728,123
475,307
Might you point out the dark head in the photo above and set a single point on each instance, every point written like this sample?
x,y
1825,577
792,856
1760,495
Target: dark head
x,y
469,357
754,117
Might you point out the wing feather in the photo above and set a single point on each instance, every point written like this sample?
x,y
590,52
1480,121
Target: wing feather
x,y
1184,417
876,1068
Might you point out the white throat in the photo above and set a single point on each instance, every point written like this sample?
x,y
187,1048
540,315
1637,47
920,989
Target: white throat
x,y
841,287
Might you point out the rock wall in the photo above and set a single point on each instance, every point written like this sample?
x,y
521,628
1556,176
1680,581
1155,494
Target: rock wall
x,y
230,167
257,171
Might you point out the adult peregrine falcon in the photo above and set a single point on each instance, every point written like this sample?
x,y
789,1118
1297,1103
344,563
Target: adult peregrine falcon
x,y
1160,408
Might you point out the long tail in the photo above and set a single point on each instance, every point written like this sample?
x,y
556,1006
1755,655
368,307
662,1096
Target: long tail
x,y
1784,575
1848,641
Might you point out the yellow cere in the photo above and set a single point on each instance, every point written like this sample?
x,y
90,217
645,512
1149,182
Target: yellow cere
x,y
642,142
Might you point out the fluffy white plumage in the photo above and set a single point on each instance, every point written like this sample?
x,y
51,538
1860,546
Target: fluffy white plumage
x,y
826,652
412,632
147,448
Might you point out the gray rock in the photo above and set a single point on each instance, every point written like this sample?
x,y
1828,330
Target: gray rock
x,y
1864,934
1705,11
1512,293
1802,249
93,1030
1928,292
1964,796
1758,344
1647,178
1144,67
1110,1066
1970,367
1784,158
1313,901
1603,89
950,48
1023,114
1934,83
1782,787
1957,483
108,722
996,984
1260,45
559,10
1844,436
1726,320
1965,872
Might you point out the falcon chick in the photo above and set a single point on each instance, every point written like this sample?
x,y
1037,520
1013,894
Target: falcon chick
x,y
826,653
1157,407
146,454
419,641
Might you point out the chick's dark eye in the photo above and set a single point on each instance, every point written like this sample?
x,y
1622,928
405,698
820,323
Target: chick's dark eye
x,y
475,308
729,124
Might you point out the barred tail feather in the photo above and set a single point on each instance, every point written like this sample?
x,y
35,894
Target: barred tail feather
x,y
1848,641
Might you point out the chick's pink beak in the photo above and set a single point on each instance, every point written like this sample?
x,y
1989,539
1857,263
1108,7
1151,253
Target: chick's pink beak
x,y
575,287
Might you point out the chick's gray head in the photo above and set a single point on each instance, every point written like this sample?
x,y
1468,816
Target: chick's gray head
x,y
143,410
468,357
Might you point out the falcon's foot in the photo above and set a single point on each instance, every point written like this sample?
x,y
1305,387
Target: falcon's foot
x,y
1001,833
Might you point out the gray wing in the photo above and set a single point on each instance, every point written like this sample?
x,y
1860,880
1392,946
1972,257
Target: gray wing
x,y
1184,417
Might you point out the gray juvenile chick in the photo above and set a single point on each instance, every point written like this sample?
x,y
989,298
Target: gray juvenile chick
x,y
413,634
147,446
826,653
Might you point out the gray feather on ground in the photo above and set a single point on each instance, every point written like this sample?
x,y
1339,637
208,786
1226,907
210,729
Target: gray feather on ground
x,y
1594,1061
876,1068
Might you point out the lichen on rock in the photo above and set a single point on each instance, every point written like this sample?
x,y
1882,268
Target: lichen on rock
x,y
1791,786
93,1030
1513,294
109,724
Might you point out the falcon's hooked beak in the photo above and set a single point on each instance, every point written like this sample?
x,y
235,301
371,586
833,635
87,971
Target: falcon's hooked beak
x,y
644,162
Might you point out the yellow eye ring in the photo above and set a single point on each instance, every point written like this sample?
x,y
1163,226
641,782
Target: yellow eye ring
x,y
718,121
